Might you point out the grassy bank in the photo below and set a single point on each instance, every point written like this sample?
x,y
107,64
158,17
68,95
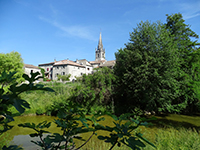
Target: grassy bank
x,y
165,138
42,102
48,103
174,139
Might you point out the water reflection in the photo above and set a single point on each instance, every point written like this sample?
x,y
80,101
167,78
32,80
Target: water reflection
x,y
24,141
19,136
177,121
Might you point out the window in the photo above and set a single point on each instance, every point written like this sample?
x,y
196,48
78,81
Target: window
x,y
88,68
57,67
81,73
56,74
63,73
63,67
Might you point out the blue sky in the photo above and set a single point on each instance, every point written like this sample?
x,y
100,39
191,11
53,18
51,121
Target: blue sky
x,y
44,30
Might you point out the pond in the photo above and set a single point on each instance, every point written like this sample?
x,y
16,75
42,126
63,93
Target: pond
x,y
20,136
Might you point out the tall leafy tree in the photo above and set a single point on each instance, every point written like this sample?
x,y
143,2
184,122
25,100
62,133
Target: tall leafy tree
x,y
189,54
96,88
11,62
146,70
182,36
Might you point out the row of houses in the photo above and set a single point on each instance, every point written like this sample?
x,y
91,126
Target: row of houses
x,y
76,68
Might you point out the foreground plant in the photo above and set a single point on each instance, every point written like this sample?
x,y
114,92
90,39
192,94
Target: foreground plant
x,y
124,132
9,96
71,120
73,123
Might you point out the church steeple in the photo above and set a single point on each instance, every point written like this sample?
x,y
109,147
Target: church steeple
x,y
100,51
100,45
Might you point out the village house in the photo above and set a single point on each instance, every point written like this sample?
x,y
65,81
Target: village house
x,y
31,68
28,69
79,67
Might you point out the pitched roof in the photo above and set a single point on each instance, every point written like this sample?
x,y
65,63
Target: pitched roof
x,y
83,62
67,62
97,62
30,66
51,63
110,63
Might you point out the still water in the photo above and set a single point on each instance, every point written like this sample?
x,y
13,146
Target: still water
x,y
20,136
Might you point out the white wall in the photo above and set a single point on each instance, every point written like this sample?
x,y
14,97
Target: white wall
x,y
75,71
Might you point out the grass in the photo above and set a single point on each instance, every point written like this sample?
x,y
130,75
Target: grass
x,y
170,138
163,138
175,139
42,102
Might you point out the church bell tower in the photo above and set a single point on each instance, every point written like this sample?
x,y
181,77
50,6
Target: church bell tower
x,y
100,51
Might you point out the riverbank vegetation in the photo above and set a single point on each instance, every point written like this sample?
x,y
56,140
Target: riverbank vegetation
x,y
157,71
171,138
72,120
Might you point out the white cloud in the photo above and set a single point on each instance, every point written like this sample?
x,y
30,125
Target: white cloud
x,y
76,30
188,16
191,9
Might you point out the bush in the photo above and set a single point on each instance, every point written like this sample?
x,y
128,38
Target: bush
x,y
64,77
95,89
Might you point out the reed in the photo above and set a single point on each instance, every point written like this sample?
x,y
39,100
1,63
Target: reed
x,y
176,139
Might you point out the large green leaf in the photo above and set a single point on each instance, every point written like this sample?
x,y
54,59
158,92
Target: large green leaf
x,y
135,143
144,139
18,103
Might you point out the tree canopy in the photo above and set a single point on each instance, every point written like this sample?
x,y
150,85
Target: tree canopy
x,y
154,67
11,62
186,41
95,89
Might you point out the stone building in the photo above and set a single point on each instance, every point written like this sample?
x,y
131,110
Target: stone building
x,y
109,64
79,67
65,67
31,68
48,67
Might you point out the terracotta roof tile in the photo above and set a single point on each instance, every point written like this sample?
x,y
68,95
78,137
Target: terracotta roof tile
x,y
51,63
30,66
108,63
97,62
67,62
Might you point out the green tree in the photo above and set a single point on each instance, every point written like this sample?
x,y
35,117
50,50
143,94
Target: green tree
x,y
43,74
64,77
12,62
71,121
189,55
96,88
146,70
